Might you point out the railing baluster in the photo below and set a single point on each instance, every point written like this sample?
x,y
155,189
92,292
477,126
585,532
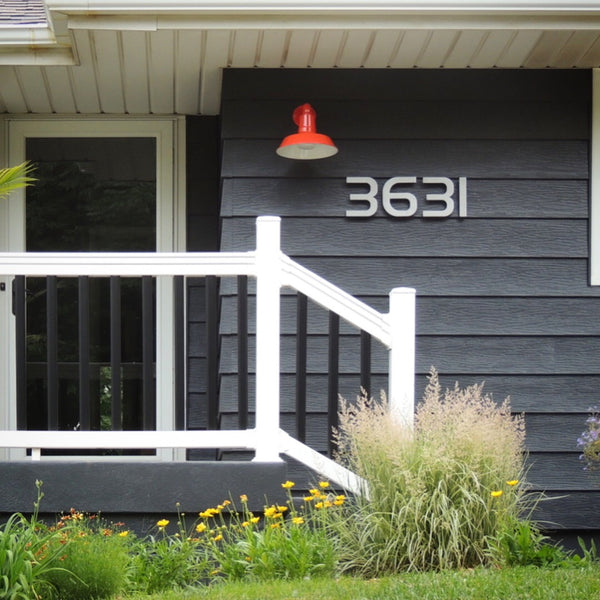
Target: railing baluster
x,y
21,349
301,349
149,388
115,354
212,354
179,338
333,377
365,362
85,413
52,352
242,347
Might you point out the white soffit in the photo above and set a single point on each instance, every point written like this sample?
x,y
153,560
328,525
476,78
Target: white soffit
x,y
161,56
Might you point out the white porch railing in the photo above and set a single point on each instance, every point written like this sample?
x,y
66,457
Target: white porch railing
x,y
272,270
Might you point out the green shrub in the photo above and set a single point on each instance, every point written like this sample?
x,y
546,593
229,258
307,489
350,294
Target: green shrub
x,y
439,495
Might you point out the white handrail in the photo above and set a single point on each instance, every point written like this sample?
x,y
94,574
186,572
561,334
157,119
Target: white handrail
x,y
333,298
273,270
127,264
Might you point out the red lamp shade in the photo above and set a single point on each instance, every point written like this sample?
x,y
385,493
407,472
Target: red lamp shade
x,y
307,144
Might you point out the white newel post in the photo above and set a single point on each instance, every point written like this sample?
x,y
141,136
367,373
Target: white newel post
x,y
268,283
402,355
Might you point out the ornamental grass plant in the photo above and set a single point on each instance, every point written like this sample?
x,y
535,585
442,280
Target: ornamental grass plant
x,y
441,495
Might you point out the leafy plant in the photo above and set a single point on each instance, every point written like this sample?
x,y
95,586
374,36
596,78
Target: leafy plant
x,y
28,555
13,178
164,561
286,543
439,495
525,545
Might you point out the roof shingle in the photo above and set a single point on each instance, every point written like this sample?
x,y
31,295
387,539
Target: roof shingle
x,y
20,13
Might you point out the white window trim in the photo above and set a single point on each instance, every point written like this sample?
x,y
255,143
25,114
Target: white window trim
x,y
169,133
595,181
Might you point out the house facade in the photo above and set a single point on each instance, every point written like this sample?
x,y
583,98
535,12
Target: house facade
x,y
467,169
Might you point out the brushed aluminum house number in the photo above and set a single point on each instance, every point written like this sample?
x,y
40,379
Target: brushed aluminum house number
x,y
401,203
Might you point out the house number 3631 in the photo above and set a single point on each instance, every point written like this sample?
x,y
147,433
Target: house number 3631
x,y
398,202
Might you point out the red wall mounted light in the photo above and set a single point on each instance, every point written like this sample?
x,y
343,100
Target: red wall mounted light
x,y
307,144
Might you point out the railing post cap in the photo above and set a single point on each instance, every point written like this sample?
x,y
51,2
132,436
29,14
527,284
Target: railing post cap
x,y
402,290
268,219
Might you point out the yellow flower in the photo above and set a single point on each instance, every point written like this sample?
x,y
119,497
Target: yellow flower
x,y
512,482
226,502
308,498
124,533
275,525
162,523
218,538
208,513
270,512
282,508
323,484
315,492
319,505
201,527
245,524
254,520
339,500
288,484
297,520
244,498
497,493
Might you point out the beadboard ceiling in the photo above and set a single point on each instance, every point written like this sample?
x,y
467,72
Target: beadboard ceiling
x,y
172,64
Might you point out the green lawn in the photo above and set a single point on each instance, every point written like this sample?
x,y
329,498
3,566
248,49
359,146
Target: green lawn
x,y
522,583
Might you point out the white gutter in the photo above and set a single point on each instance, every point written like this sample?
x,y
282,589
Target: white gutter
x,y
98,7
324,21
27,35
37,44
153,15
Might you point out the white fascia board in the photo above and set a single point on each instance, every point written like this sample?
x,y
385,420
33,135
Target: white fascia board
x,y
39,44
152,15
40,57
27,36
195,6
331,21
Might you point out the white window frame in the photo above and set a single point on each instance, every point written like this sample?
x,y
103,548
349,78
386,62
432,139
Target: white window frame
x,y
595,181
169,133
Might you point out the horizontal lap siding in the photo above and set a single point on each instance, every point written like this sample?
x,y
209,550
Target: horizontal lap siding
x,y
502,295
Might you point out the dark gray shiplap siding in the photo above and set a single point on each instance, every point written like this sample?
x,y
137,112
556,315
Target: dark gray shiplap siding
x,y
503,294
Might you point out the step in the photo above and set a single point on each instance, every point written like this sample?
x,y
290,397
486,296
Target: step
x,y
137,488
